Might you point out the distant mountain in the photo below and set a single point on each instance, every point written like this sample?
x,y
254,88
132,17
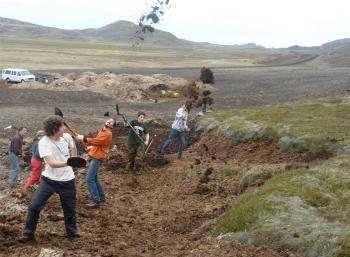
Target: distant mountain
x,y
336,44
337,54
300,48
331,54
10,27
329,46
120,31
248,46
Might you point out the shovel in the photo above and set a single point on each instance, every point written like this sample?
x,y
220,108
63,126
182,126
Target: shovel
x,y
71,130
127,122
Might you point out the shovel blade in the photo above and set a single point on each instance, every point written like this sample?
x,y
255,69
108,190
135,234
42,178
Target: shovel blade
x,y
58,112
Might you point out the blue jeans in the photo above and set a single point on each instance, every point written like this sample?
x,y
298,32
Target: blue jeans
x,y
14,165
173,135
95,189
66,191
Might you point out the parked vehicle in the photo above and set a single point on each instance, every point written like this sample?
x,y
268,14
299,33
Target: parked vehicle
x,y
17,75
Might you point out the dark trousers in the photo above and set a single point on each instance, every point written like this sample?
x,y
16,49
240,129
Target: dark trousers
x,y
135,152
66,191
172,136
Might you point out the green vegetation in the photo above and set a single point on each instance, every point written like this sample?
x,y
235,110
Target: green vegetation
x,y
305,210
81,54
295,209
228,171
321,126
260,172
207,75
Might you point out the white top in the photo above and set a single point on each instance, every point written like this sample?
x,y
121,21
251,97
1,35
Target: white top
x,y
180,122
60,152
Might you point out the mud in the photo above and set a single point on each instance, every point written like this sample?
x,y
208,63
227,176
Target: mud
x,y
149,18
166,211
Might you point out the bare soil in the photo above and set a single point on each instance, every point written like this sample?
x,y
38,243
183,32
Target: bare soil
x,y
169,210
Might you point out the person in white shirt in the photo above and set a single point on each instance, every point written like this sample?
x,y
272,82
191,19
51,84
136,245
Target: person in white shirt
x,y
57,177
178,129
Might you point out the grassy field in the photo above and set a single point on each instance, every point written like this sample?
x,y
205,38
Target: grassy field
x,y
64,54
303,209
319,126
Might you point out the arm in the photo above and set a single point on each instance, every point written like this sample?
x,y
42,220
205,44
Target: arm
x,y
53,163
147,139
101,139
17,146
185,118
185,124
131,123
74,150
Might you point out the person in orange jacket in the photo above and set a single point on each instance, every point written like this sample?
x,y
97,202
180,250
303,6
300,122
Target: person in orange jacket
x,y
97,150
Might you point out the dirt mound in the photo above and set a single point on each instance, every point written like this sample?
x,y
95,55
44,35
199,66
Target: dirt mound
x,y
221,148
119,86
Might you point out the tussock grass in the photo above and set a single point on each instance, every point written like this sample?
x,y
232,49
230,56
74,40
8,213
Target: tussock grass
x,y
320,126
303,210
228,171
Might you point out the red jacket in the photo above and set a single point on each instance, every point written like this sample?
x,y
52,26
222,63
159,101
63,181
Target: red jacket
x,y
100,144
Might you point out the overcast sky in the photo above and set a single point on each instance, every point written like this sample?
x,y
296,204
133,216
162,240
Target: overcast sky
x,y
272,23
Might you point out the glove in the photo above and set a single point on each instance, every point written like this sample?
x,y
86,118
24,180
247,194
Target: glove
x,y
80,137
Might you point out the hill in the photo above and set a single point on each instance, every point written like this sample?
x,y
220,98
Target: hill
x,y
120,31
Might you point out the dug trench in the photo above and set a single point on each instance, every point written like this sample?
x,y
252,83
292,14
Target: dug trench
x,y
166,211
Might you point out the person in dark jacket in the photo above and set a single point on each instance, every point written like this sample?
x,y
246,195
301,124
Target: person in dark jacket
x,y
36,162
135,146
15,152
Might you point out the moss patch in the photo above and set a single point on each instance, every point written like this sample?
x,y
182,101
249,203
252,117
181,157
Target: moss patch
x,y
303,210
320,126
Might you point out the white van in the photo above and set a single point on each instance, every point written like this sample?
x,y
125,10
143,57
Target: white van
x,y
17,75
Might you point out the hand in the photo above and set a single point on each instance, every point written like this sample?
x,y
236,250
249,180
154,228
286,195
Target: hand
x,y
22,155
187,129
80,137
89,147
146,143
